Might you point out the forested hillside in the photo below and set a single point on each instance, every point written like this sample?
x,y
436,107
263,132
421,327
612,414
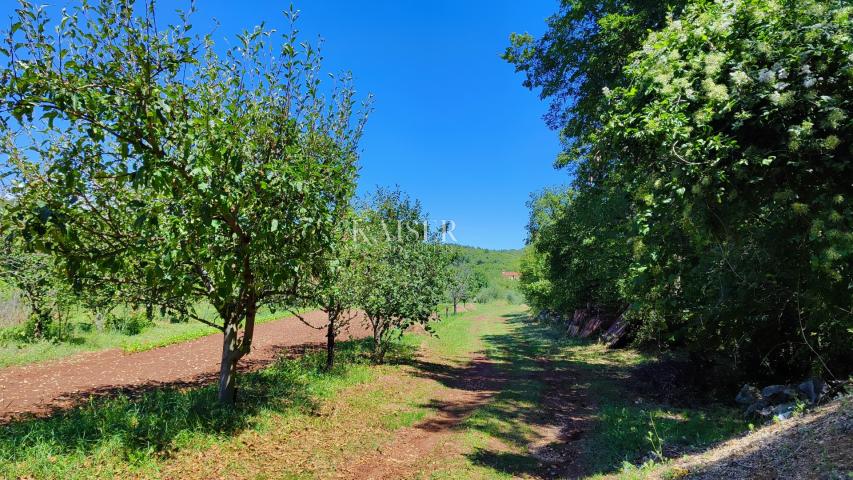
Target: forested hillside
x,y
490,264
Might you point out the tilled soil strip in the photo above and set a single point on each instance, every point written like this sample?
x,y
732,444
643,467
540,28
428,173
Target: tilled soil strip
x,y
44,388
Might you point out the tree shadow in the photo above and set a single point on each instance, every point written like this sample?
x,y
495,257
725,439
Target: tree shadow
x,y
512,388
515,464
546,400
566,414
148,419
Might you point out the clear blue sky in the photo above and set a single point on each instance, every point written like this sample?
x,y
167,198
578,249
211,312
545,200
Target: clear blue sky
x,y
452,124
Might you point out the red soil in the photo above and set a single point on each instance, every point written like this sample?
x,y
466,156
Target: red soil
x,y
43,388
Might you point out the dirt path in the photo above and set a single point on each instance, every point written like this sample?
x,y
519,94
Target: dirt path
x,y
566,411
471,387
467,385
46,387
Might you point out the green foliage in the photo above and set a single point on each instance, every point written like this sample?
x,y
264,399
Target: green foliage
x,y
337,292
713,194
132,323
403,272
488,265
535,284
582,53
163,174
47,295
587,273
739,189
464,283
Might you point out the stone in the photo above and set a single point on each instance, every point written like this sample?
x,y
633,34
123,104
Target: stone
x,y
811,389
778,393
759,407
595,324
747,395
617,335
578,320
784,411
807,389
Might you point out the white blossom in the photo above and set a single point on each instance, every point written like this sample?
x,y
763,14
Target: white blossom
x,y
740,78
766,76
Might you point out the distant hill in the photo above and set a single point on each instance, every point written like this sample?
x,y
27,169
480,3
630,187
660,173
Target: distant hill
x,y
491,263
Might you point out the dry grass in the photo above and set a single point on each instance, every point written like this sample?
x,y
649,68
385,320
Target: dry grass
x,y
318,444
818,444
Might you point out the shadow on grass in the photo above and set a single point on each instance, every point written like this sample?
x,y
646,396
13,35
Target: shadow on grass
x,y
506,382
141,425
580,395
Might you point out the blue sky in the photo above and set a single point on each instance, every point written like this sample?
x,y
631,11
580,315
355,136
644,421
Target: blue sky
x,y
452,125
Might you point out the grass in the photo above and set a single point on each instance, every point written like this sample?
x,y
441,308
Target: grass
x,y
620,431
84,338
164,430
629,429
111,437
453,336
296,421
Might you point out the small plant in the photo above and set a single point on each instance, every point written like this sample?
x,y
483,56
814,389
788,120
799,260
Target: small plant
x,y
654,439
800,408
132,323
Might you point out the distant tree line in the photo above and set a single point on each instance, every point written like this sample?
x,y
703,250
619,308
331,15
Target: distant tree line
x,y
712,192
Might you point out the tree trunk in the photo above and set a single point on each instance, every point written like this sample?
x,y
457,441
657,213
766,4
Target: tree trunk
x,y
36,315
233,351
378,347
228,367
377,341
38,327
330,343
454,307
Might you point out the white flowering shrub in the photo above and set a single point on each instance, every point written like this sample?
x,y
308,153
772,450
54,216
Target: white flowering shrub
x,y
732,136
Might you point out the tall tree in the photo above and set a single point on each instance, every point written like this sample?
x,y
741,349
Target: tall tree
x,y
733,141
580,56
713,195
155,167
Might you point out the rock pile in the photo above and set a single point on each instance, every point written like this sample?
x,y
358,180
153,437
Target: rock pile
x,y
780,401
591,323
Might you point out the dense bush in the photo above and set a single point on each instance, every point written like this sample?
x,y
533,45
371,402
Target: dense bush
x,y
714,196
132,323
